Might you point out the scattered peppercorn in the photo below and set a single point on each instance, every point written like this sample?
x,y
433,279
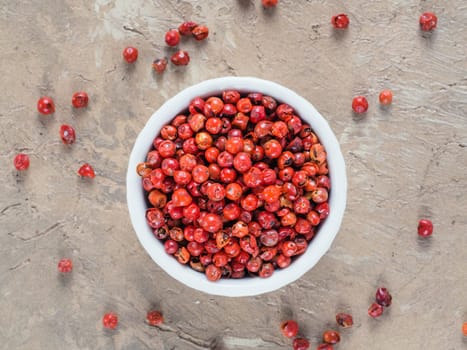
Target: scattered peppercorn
x,y
80,99
130,54
110,320
21,162
385,97
428,21
360,104
344,320
65,265
160,64
425,228
340,21
86,171
45,105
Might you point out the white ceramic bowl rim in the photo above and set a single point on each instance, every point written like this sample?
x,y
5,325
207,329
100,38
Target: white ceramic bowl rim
x,y
246,286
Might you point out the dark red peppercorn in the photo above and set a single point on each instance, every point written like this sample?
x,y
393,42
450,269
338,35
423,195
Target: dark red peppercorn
x,y
375,310
21,162
383,297
130,54
172,37
67,134
428,21
200,32
180,58
301,344
159,65
45,105
344,320
80,99
289,328
425,228
340,21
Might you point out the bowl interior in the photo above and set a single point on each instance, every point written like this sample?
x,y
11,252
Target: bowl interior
x,y
247,286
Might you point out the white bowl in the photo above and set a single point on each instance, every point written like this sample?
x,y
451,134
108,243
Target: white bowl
x,y
246,286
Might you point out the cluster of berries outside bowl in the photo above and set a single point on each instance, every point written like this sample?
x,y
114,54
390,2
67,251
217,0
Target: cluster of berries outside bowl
x,y
328,229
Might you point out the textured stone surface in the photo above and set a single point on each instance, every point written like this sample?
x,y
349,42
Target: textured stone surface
x,y
406,162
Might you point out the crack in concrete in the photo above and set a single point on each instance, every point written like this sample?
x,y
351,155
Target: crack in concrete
x,y
4,210
200,343
20,265
38,234
133,30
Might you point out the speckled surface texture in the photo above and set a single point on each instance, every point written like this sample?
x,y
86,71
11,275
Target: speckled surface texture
x,y
404,163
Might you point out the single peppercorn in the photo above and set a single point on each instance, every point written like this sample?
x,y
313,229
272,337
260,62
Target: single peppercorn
x,y
269,3
340,21
383,297
186,27
331,337
428,21
360,104
86,171
301,344
154,318
45,105
110,320
200,32
159,65
425,228
289,328
21,162
67,134
65,265
344,320
385,97
172,37
130,54
80,99
180,58
375,310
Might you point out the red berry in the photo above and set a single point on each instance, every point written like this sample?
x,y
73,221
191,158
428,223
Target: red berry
x,y
383,297
180,58
67,133
428,21
289,328
110,320
375,310
80,99
86,171
213,273
331,337
21,161
340,21
360,104
425,228
385,97
65,265
130,54
160,65
172,37
45,105
154,318
301,344
269,3
464,329
186,27
325,346
200,32
344,320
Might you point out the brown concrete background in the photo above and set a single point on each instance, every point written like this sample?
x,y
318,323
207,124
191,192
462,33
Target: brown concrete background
x,y
407,162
